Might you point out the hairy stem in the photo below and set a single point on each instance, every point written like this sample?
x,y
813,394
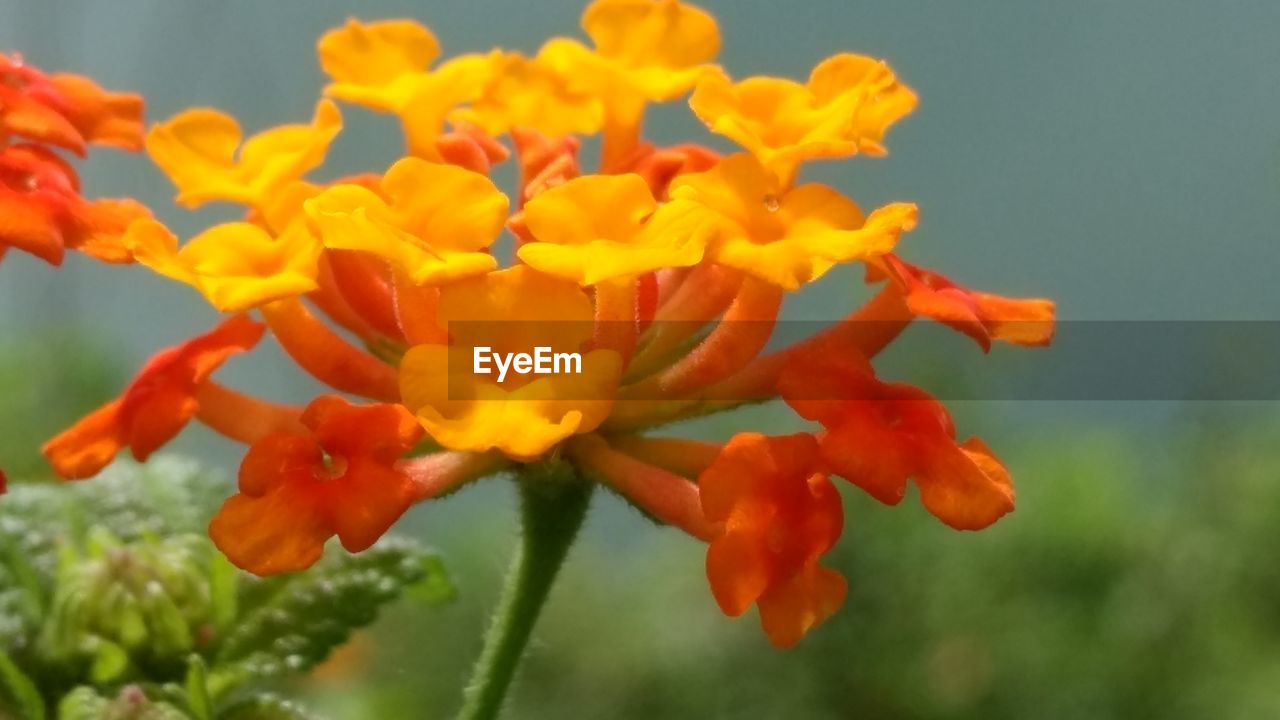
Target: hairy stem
x,y
552,510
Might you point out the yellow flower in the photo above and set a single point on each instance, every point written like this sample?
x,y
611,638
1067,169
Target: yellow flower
x,y
530,93
787,237
384,66
645,50
844,109
433,225
521,417
658,46
603,227
376,63
236,266
201,152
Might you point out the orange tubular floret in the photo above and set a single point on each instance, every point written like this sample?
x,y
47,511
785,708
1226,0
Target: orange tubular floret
x,y
699,296
982,316
863,333
243,418
441,473
365,283
742,333
666,496
334,305
615,316
330,359
544,162
879,435
417,312
154,407
335,475
779,514
679,455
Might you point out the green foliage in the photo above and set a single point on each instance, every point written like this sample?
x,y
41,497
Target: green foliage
x,y
114,604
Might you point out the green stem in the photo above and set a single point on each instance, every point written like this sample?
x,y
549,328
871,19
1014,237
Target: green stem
x,y
552,511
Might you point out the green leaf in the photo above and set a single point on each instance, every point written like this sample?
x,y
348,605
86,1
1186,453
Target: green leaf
x,y
110,662
291,623
25,694
198,689
436,586
223,586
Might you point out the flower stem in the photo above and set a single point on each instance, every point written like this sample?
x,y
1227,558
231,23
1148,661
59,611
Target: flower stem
x,y
552,511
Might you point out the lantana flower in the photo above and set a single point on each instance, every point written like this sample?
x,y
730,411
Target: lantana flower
x,y
662,270
42,211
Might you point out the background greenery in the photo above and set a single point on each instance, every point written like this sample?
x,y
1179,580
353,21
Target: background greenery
x,y
1121,158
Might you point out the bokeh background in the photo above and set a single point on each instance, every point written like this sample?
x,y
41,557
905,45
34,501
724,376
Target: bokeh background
x,y
1121,158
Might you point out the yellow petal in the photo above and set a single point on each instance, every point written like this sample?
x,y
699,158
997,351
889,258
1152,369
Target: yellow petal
x,y
466,412
534,94
659,44
236,266
375,54
601,227
845,108
788,238
197,149
433,226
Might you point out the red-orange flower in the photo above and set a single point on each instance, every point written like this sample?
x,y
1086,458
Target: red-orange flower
x,y
880,434
42,212
66,110
780,514
154,407
298,490
981,316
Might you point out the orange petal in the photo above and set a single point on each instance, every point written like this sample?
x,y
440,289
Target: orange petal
x,y
85,448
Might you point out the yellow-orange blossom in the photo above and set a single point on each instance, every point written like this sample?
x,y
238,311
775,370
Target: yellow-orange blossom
x,y
664,269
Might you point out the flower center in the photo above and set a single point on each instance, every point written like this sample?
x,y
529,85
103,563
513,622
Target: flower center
x,y
332,467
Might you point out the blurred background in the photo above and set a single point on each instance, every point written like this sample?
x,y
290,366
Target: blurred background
x,y
1120,158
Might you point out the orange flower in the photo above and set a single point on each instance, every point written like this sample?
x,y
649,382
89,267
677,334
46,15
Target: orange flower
x,y
880,434
979,315
42,212
66,110
298,490
155,406
780,514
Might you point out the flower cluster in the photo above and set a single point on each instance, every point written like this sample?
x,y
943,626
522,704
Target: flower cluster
x,y
41,209
666,268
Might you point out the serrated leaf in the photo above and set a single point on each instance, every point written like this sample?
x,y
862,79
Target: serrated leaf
x,y
25,694
295,621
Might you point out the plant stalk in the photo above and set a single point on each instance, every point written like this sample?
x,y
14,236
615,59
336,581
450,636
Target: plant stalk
x,y
552,511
